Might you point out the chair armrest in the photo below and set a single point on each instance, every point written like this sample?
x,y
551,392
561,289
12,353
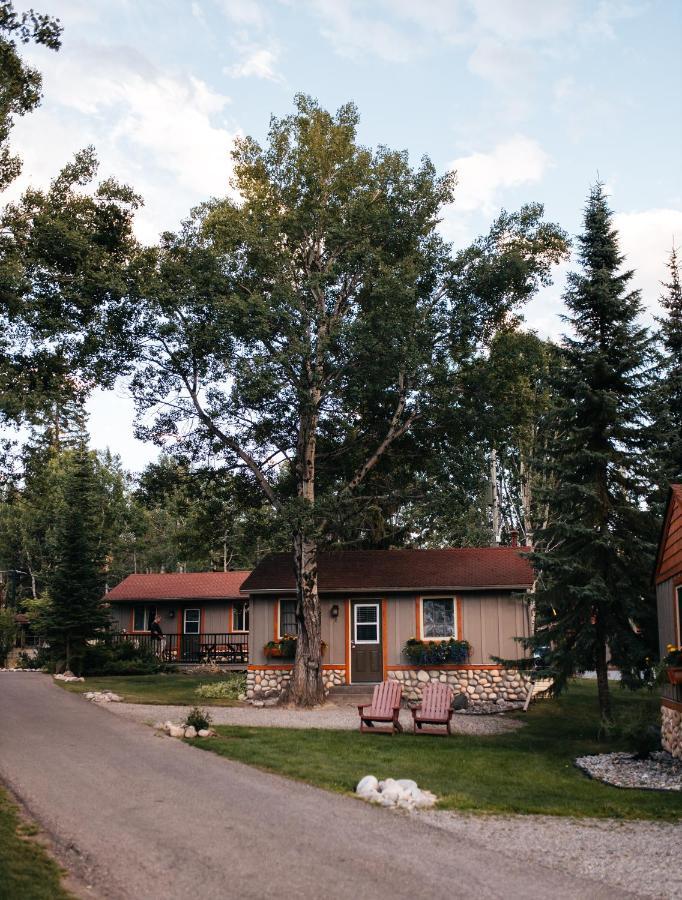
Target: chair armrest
x,y
362,706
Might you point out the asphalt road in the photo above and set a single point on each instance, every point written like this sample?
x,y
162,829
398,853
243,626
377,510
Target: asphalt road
x,y
145,816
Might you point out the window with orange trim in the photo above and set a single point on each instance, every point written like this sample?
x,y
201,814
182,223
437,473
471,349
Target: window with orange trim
x,y
439,618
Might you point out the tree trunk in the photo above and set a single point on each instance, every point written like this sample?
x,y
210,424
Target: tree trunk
x,y
307,687
495,498
601,668
68,654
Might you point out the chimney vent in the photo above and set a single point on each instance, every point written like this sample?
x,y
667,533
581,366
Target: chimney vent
x,y
514,538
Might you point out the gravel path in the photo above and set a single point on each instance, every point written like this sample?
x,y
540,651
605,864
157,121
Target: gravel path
x,y
642,857
329,716
146,816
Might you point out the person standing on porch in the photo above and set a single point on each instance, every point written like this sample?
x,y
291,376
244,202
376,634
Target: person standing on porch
x,y
157,635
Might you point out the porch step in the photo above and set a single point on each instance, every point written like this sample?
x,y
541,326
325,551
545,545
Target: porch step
x,y
351,690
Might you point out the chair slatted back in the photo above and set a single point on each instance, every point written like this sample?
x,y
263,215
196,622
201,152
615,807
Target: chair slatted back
x,y
386,697
436,699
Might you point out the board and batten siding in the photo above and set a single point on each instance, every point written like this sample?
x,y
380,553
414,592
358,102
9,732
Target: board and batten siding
x,y
670,562
490,622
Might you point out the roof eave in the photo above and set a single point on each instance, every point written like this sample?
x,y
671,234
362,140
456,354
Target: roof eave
x,y
398,590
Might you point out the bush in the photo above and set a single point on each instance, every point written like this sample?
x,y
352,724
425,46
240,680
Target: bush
x,y
40,660
638,729
223,690
8,633
123,658
199,718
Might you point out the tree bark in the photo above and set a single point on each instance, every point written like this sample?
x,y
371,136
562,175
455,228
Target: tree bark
x,y
307,687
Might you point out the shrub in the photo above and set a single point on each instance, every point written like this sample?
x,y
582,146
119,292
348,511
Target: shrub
x,y
123,658
223,690
638,729
199,718
8,633
40,660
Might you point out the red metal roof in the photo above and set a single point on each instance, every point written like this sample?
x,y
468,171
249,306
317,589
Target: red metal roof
x,y
399,570
180,586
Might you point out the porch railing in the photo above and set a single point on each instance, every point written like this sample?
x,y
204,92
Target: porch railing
x,y
229,648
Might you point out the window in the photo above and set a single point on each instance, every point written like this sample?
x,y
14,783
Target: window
x,y
366,623
192,621
143,616
287,618
240,616
438,618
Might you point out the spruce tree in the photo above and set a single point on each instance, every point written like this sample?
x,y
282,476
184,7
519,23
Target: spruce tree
x,y
77,612
594,558
667,391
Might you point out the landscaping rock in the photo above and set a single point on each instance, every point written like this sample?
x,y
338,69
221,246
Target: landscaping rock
x,y
398,794
190,731
204,732
68,676
461,701
661,772
176,731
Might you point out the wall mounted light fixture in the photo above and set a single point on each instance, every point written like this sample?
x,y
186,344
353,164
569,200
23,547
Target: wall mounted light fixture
x,y
334,611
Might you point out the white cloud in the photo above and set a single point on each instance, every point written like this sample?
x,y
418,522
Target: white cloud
x,y
525,20
256,62
162,132
352,32
483,176
248,13
646,239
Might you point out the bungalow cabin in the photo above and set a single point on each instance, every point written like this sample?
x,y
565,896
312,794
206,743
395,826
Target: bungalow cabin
x,y
374,602
204,615
668,578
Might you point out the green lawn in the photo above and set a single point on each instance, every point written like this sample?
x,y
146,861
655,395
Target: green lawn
x,y
26,871
164,689
527,771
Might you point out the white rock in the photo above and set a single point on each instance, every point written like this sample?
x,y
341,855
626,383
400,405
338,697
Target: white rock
x,y
190,731
176,731
408,785
204,732
159,726
366,784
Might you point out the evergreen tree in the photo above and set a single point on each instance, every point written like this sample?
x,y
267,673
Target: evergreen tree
x,y
594,557
77,612
667,393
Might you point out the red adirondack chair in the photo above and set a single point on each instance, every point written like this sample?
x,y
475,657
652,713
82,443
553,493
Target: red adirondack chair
x,y
435,709
385,707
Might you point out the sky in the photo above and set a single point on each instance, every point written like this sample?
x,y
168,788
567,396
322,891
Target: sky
x,y
528,100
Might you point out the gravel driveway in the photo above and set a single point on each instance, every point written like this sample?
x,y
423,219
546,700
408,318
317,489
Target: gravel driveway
x,y
643,857
142,815
330,716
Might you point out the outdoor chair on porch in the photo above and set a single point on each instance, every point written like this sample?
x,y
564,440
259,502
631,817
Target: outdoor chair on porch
x,y
385,707
435,709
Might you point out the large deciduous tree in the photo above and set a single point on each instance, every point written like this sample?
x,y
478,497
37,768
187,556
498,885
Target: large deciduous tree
x,y
595,555
302,331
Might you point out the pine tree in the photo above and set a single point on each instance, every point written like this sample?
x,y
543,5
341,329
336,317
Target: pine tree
x,y
594,558
667,392
76,611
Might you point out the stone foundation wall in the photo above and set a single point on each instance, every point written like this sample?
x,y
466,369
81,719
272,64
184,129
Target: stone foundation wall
x,y
671,731
265,684
479,685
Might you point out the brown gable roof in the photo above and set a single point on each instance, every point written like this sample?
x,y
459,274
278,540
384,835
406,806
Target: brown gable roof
x,y
180,586
399,570
669,557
